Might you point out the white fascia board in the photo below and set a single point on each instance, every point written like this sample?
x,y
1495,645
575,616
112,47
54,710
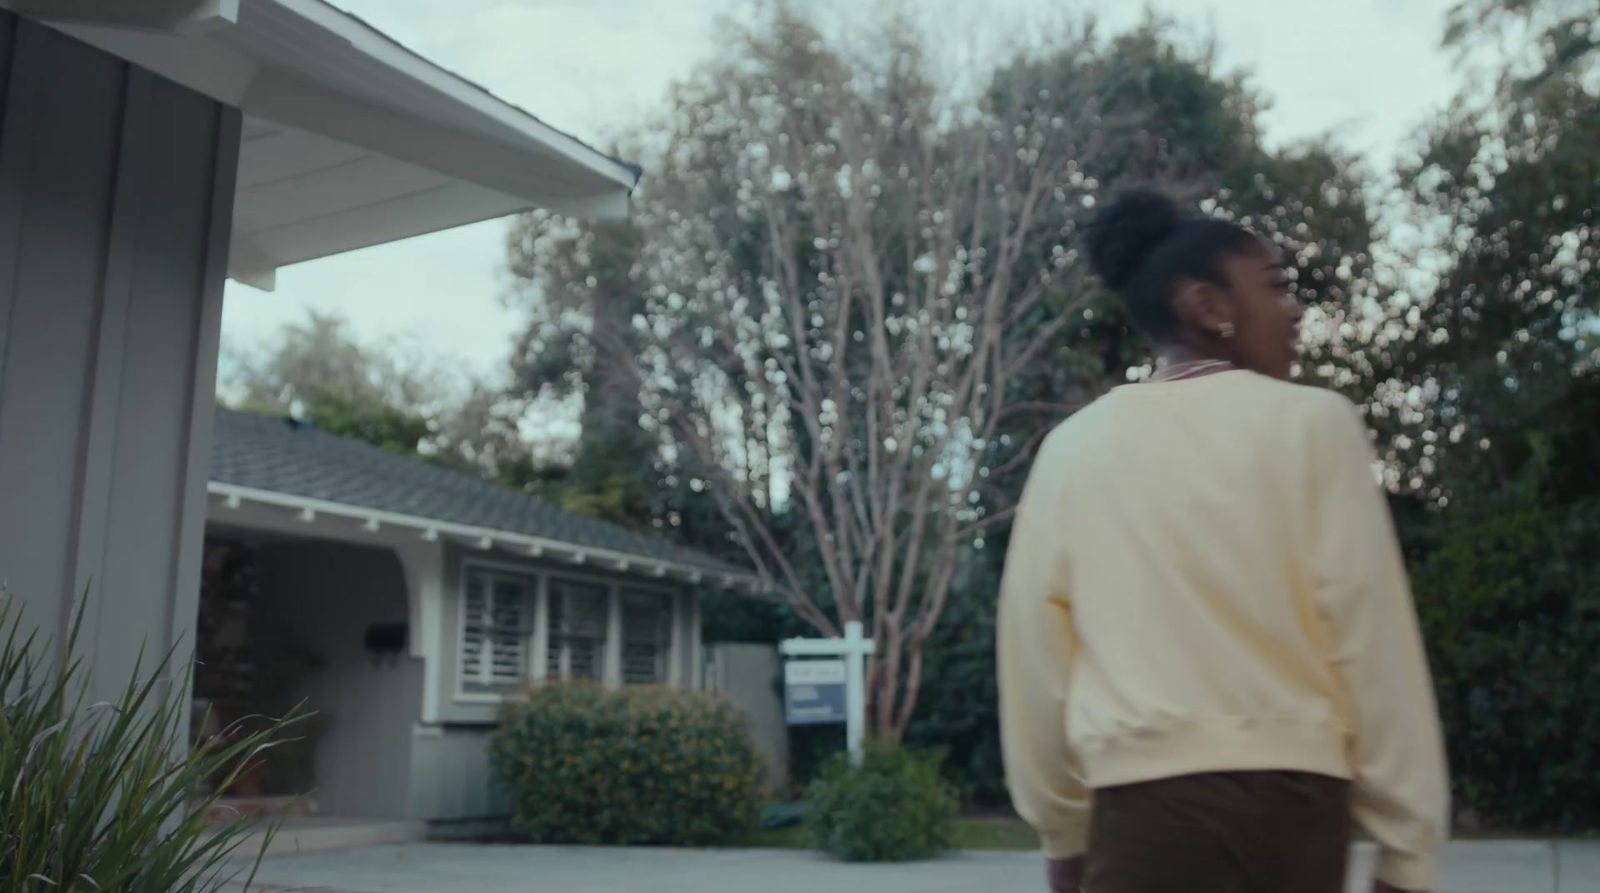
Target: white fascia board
x,y
480,138
187,16
468,533
369,42
286,99
250,266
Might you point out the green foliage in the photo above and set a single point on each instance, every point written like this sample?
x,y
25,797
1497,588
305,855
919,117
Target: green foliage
x,y
1171,117
1462,309
1508,591
1504,558
1512,185
643,766
1556,35
892,807
736,617
810,750
102,797
968,834
960,704
321,353
618,498
385,394
379,424
581,296
731,617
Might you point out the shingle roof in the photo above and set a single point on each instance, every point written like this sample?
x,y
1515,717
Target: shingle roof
x,y
296,459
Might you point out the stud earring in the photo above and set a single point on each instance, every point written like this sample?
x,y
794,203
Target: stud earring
x,y
1225,331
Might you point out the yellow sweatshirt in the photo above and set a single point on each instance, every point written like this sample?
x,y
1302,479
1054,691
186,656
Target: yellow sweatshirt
x,y
1203,577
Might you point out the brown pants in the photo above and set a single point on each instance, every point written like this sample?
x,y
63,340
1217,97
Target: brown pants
x,y
1221,832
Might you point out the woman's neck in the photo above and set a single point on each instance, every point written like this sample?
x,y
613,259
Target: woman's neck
x,y
1169,355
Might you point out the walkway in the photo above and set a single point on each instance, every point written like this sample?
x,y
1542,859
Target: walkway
x,y
465,868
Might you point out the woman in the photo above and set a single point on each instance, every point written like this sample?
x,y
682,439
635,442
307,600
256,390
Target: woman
x,y
1209,661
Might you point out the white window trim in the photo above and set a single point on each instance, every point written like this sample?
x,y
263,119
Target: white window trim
x,y
671,601
610,588
538,653
507,568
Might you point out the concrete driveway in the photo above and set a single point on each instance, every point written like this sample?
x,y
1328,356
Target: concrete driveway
x,y
1519,867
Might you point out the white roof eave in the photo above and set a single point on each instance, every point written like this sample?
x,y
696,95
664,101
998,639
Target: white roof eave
x,y
515,122
322,78
368,520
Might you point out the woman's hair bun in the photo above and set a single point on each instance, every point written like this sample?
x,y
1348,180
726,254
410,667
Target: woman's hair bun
x,y
1124,233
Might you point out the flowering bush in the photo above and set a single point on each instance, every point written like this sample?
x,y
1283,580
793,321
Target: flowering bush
x,y
643,766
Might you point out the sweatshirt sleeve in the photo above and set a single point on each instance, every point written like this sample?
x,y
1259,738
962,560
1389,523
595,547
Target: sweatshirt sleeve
x,y
1035,654
1401,795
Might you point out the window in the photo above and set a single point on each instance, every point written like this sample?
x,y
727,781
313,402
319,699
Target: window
x,y
577,643
646,637
495,612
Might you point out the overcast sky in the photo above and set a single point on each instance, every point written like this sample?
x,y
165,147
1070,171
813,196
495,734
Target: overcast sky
x,y
1366,71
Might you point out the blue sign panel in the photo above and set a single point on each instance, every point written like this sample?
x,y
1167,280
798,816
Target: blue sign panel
x,y
813,692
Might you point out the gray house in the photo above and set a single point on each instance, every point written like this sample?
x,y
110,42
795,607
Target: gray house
x,y
148,151
402,601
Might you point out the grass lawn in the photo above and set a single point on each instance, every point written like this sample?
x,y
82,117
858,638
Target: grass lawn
x,y
968,833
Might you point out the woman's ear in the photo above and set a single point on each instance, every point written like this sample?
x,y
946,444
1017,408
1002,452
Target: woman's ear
x,y
1203,306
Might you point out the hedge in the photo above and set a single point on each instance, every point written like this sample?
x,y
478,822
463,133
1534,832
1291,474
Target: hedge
x,y
642,766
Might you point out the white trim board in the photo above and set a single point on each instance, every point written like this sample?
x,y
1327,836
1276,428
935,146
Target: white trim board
x,y
476,537
351,140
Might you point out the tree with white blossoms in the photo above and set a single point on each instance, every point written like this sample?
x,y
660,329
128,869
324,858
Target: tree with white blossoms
x,y
839,267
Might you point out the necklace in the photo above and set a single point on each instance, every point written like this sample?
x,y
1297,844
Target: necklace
x,y
1180,371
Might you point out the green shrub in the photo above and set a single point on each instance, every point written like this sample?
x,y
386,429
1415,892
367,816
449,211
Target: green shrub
x,y
958,710
103,797
1508,590
643,766
892,807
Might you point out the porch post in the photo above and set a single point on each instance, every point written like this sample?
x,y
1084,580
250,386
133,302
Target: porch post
x,y
675,644
422,565
612,672
540,652
696,655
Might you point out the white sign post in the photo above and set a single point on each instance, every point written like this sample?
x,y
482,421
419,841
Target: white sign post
x,y
854,648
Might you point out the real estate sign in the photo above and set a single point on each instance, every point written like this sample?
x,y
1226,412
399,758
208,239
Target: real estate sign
x,y
814,692
830,690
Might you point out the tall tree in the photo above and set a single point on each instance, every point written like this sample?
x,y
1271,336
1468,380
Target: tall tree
x,y
316,368
580,287
1179,121
835,257
859,301
1538,39
1508,184
320,352
385,394
1508,359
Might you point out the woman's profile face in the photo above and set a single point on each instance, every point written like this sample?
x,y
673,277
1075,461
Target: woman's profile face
x,y
1266,312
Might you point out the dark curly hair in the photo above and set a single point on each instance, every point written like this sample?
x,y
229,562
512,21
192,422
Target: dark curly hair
x,y
1143,242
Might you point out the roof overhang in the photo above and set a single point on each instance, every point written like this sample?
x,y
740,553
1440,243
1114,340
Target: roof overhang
x,y
350,140
352,518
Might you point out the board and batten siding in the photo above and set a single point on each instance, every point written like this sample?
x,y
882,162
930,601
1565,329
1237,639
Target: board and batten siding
x,y
320,598
116,193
